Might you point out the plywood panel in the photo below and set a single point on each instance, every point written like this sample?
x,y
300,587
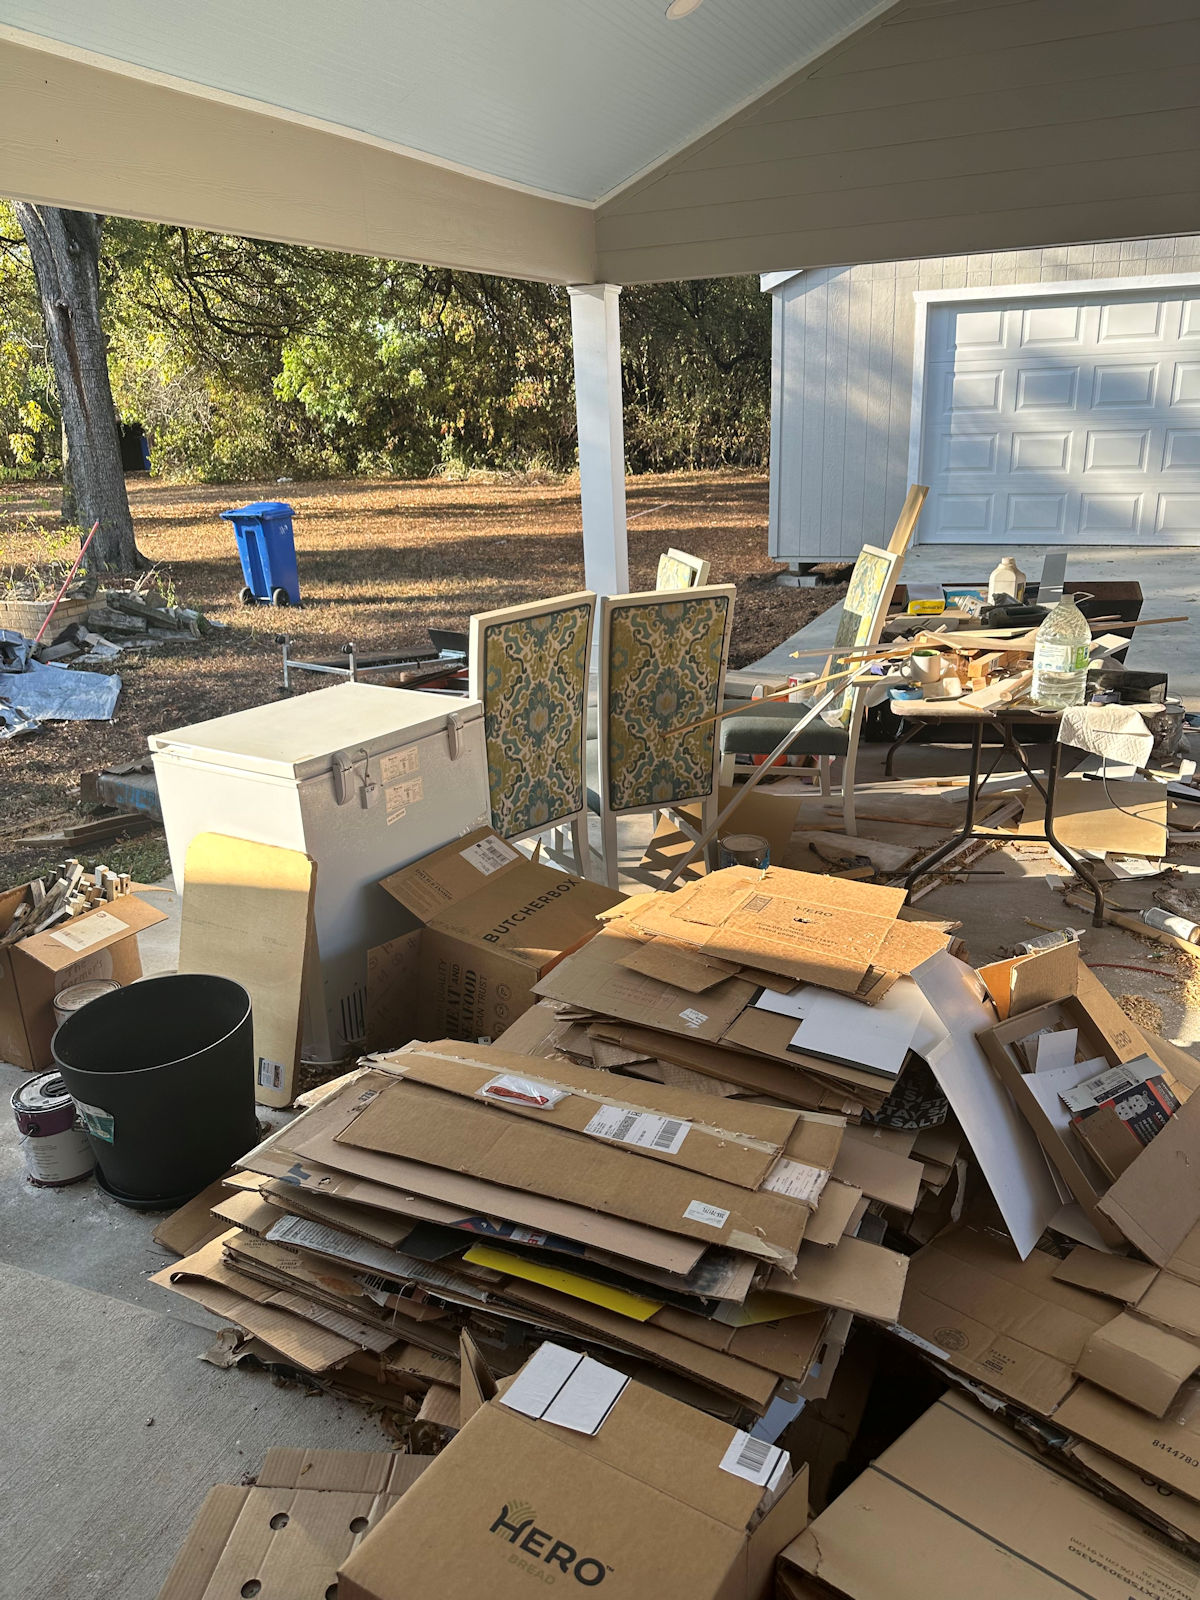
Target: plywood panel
x,y
247,915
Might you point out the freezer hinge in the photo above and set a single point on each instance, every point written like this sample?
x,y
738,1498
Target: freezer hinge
x,y
352,776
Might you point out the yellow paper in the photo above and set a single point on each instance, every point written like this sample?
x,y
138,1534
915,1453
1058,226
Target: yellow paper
x,y
622,1301
764,1307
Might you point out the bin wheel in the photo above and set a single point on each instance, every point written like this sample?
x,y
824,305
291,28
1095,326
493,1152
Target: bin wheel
x,y
280,597
248,597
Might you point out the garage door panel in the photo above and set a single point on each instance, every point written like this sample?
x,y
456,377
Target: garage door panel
x,y
967,452
1034,517
1064,419
1116,450
1039,452
1051,324
1105,518
1123,386
1181,450
1178,518
1139,320
1046,388
965,516
1185,383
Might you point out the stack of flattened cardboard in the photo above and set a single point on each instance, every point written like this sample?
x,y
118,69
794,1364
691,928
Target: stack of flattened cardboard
x,y
779,983
714,1246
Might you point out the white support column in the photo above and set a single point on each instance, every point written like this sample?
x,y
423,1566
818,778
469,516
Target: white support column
x,y
596,338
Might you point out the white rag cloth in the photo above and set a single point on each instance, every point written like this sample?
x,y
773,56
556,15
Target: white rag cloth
x,y
1117,733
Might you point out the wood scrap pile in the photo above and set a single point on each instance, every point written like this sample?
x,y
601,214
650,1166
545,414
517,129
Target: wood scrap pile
x,y
65,893
142,616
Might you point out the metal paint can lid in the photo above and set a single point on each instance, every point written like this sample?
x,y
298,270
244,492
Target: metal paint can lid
x,y
77,995
45,1093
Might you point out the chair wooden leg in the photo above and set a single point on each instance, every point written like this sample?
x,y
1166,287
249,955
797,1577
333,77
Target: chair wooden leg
x,y
849,822
824,769
608,833
579,845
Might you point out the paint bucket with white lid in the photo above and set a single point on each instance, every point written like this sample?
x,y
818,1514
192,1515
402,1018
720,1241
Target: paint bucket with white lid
x,y
77,995
54,1145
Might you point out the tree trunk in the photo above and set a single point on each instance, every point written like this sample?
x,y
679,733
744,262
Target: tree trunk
x,y
65,248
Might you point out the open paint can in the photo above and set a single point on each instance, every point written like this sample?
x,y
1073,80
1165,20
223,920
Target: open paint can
x,y
54,1145
77,995
744,850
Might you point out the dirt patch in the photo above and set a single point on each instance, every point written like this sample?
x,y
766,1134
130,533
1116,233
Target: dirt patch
x,y
380,563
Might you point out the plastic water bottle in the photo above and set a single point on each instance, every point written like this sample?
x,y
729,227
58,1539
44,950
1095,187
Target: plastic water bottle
x,y
1060,657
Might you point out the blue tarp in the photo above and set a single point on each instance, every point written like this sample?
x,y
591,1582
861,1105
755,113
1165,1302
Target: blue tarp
x,y
49,692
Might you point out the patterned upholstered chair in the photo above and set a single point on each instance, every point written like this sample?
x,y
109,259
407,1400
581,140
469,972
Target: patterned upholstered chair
x,y
530,667
678,570
662,670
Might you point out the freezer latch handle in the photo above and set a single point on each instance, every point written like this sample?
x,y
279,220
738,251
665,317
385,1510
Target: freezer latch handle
x,y
454,734
346,770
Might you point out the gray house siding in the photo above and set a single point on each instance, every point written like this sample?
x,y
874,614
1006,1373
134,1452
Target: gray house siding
x,y
842,373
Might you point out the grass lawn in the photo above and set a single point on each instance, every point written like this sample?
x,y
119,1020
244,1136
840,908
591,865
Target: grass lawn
x,y
380,563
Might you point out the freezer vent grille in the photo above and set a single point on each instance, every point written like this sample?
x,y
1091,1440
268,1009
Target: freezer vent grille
x,y
354,1015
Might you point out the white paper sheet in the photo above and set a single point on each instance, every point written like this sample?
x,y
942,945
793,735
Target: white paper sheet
x,y
876,1037
1056,1050
570,1390
1003,1143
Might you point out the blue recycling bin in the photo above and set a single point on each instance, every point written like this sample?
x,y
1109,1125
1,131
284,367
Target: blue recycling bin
x,y
267,549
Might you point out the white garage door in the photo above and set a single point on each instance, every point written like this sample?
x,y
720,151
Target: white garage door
x,y
1064,420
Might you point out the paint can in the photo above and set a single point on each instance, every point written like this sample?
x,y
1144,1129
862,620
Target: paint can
x,y
54,1145
744,850
77,995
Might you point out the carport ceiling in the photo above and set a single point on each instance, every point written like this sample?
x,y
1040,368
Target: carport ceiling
x,y
595,140
571,98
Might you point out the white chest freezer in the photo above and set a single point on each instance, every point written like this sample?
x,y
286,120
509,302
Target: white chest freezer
x,y
362,778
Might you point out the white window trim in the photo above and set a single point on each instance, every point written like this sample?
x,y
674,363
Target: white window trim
x,y
1084,288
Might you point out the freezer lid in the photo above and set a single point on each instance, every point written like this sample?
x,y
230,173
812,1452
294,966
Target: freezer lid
x,y
297,738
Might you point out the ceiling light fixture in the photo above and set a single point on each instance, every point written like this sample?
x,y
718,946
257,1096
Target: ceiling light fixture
x,y
682,8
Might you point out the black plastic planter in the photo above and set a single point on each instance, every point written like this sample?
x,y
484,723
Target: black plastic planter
x,y
163,1075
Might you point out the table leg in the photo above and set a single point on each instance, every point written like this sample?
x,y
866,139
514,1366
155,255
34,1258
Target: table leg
x,y
1073,861
914,727
923,866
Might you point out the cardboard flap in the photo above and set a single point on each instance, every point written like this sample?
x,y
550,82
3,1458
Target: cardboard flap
x,y
90,931
797,924
854,1276
446,876
739,1143
1117,1277
1025,982
1156,1202
1139,1362
444,1131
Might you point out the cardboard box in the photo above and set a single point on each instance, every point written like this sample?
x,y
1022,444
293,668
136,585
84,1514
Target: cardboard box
x,y
494,922
287,1533
1155,1201
97,944
961,1505
579,1476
